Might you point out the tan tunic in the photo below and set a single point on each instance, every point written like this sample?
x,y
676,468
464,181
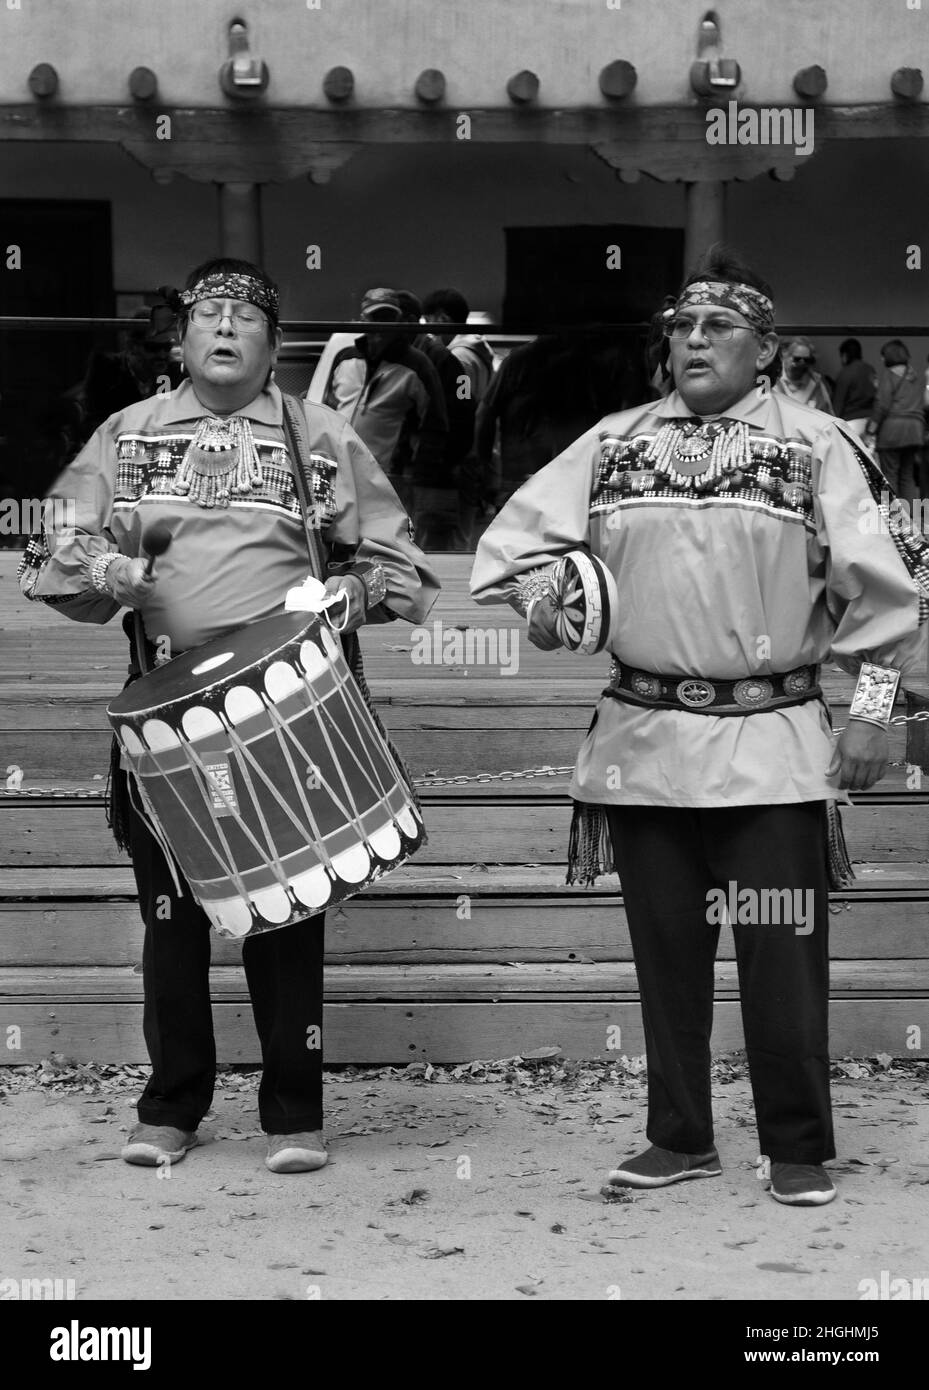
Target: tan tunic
x,y
756,581
225,566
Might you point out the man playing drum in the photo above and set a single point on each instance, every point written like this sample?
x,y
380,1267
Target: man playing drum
x,y
211,460
746,539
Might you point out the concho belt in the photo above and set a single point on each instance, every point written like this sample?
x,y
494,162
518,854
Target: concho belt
x,y
751,695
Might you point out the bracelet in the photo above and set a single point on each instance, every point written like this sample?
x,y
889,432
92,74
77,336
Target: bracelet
x,y
875,693
99,568
533,584
371,573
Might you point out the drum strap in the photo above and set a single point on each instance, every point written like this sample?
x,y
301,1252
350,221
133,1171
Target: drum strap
x,y
298,447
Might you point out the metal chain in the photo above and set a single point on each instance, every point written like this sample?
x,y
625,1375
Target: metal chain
x,y
428,781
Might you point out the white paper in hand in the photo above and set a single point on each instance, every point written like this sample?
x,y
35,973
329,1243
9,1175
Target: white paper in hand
x,y
310,597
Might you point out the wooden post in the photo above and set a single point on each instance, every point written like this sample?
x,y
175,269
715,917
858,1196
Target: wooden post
x,y
240,221
705,219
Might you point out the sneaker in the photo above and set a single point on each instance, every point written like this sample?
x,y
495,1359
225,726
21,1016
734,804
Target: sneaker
x,y
801,1184
659,1167
153,1145
296,1153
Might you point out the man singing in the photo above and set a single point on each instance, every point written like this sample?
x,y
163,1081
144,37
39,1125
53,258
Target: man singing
x,y
213,460
746,540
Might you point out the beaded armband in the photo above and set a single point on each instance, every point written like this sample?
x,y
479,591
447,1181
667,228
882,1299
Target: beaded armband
x,y
371,573
532,585
874,694
98,570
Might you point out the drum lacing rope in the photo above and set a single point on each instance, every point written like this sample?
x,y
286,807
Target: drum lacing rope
x,y
151,821
194,759
228,868
238,747
350,814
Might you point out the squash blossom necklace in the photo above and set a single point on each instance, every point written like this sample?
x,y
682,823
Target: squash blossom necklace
x,y
221,461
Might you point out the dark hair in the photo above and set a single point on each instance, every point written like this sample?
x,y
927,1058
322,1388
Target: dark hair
x,y
410,305
721,262
228,265
451,302
850,348
895,353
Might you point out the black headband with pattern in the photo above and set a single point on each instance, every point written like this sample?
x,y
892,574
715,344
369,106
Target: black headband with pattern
x,y
754,306
232,284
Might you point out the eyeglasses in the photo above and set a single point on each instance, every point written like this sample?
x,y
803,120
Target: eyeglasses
x,y
806,360
208,313
714,330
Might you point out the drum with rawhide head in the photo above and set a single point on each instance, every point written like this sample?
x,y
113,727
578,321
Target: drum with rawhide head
x,y
583,595
261,767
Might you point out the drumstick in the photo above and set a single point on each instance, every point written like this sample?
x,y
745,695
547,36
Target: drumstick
x,y
155,540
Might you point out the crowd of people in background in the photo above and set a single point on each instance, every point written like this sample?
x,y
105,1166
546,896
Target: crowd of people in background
x,y
458,427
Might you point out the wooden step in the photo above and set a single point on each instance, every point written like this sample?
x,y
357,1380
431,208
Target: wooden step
x,y
374,984
524,830
442,1032
430,746
501,917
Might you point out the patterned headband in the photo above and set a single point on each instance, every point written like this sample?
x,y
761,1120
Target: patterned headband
x,y
224,284
744,299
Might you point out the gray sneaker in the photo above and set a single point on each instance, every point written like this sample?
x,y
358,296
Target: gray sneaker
x,y
659,1167
801,1184
296,1153
155,1145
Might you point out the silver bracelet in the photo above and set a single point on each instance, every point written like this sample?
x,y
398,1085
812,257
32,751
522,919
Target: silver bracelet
x,y
875,693
99,568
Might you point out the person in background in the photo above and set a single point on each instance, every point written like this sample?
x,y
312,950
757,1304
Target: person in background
x,y
897,426
798,380
436,508
545,394
473,352
391,394
855,387
479,363
147,359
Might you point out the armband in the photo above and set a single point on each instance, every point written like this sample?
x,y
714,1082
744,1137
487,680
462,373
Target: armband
x,y
875,693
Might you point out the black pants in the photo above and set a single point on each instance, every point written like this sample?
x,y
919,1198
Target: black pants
x,y
284,971
669,860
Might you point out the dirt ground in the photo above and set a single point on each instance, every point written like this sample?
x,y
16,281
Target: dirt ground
x,y
478,1184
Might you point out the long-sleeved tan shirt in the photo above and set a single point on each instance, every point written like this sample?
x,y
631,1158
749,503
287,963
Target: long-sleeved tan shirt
x,y
225,566
752,581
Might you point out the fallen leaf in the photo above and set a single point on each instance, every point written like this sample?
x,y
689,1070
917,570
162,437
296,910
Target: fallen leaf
x,y
778,1268
438,1252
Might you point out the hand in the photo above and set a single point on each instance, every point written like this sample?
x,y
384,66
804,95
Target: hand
x,y
542,633
127,581
351,585
860,756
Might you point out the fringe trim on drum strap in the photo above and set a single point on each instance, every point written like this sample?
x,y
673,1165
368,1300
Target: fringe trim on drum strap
x,y
590,850
116,799
841,873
